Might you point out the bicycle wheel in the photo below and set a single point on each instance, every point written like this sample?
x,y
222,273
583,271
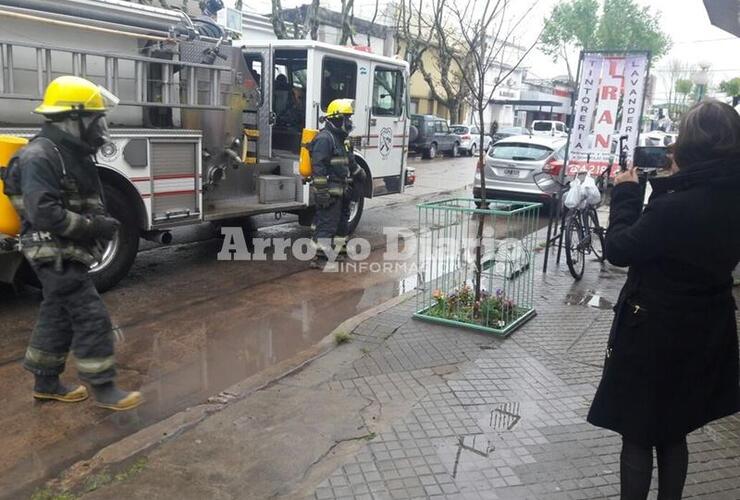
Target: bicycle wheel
x,y
575,253
597,235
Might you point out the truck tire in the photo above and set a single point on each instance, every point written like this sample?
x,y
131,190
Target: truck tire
x,y
356,213
121,252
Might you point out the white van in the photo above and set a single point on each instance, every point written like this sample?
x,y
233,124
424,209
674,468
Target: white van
x,y
549,127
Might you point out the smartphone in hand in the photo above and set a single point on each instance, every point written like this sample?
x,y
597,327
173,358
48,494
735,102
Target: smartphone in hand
x,y
651,157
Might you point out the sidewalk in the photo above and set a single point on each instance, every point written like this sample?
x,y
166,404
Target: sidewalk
x,y
409,409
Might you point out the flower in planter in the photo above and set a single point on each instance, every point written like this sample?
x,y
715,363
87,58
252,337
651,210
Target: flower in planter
x,y
438,294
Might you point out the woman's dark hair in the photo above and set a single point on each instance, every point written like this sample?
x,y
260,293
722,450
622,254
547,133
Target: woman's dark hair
x,y
709,133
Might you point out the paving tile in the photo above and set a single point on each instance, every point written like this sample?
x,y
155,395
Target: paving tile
x,y
506,421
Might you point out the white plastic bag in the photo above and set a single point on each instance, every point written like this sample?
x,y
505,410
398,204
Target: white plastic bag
x,y
574,196
590,193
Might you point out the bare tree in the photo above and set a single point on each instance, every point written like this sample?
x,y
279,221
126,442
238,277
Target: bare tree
x,y
348,16
278,22
444,73
375,17
413,31
487,29
676,72
312,21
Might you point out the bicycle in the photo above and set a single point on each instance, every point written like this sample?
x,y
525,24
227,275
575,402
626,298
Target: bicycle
x,y
581,230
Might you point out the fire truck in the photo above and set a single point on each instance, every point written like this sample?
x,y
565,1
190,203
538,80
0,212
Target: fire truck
x,y
209,127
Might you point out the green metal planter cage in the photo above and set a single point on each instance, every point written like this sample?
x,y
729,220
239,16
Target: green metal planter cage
x,y
447,254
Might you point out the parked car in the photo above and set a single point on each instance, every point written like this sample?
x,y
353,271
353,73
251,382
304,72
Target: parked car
x,y
433,136
510,131
549,127
512,162
657,138
470,139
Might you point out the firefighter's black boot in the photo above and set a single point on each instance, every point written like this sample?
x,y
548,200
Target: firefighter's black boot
x,y
111,397
51,388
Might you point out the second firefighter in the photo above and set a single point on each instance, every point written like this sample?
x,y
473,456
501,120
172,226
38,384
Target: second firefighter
x,y
336,180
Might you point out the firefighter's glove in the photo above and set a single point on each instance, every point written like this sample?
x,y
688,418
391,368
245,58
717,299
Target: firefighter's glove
x,y
103,227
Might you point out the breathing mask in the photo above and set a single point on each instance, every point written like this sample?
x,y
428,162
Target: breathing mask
x,y
342,123
94,130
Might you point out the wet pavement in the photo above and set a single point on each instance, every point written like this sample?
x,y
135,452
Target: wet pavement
x,y
410,409
189,326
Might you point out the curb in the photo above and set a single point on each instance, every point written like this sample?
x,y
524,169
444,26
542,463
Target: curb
x,y
173,426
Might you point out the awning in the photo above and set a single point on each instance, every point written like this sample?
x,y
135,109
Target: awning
x,y
724,14
527,102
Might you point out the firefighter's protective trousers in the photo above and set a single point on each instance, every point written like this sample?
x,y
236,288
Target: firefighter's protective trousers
x,y
72,317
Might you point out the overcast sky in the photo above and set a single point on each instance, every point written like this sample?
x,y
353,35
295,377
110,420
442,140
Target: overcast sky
x,y
695,40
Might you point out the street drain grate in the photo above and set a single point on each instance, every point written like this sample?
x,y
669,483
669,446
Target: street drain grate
x,y
505,417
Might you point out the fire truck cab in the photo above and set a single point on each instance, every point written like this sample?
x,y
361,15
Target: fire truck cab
x,y
208,128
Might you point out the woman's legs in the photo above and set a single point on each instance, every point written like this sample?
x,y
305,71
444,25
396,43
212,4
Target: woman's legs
x,y
673,462
635,470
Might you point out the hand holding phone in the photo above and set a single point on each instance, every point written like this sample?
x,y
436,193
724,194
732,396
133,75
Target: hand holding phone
x,y
623,152
651,157
629,175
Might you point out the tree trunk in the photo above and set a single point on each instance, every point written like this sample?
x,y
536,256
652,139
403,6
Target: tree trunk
x,y
347,16
453,106
375,16
483,205
313,20
278,24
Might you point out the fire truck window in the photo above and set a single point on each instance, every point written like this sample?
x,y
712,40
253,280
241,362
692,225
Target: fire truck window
x,y
254,64
387,92
339,81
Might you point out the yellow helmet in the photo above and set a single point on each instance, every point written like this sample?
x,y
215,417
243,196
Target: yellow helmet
x,y
340,107
71,93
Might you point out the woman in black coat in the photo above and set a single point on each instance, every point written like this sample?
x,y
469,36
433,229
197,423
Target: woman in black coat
x,y
672,357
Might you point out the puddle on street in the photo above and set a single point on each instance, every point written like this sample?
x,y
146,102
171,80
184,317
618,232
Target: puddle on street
x,y
588,298
188,355
190,340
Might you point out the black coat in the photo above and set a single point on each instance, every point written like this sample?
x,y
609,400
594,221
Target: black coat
x,y
55,187
672,357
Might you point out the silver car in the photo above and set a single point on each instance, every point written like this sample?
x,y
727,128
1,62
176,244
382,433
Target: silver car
x,y
512,162
470,138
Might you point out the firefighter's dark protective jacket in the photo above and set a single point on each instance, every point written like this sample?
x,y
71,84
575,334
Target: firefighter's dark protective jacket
x,y
54,185
330,161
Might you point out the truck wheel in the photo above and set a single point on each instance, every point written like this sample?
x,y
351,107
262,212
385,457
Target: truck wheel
x,y
455,150
355,213
121,252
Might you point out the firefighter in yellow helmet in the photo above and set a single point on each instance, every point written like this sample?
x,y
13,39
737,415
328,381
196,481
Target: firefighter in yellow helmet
x,y
336,178
53,184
